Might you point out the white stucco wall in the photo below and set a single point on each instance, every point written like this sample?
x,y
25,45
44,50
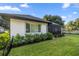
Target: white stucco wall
x,y
19,26
44,28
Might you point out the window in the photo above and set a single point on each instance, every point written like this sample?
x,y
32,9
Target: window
x,y
27,27
35,28
39,28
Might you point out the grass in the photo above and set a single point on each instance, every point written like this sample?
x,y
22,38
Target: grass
x,y
63,46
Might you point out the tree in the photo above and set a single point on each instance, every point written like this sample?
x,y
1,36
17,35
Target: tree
x,y
77,22
56,19
73,25
70,25
47,17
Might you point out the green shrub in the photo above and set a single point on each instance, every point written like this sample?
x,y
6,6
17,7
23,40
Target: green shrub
x,y
49,36
37,38
43,37
17,39
4,38
46,36
29,38
22,40
1,46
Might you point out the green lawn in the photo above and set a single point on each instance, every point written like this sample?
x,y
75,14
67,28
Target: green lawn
x,y
64,46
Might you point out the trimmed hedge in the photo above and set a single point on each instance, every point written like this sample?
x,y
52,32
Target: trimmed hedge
x,y
19,40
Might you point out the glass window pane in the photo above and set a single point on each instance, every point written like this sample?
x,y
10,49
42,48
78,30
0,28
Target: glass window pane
x,y
27,27
34,28
39,28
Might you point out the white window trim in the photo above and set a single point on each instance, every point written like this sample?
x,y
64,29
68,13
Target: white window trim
x,y
31,28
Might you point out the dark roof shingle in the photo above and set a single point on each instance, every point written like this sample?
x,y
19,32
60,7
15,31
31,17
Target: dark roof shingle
x,y
24,17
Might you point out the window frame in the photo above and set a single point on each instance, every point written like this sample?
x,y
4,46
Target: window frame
x,y
29,28
39,27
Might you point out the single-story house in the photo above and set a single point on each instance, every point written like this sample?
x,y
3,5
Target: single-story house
x,y
22,24
27,24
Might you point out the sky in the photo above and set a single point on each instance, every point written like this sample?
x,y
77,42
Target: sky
x,y
67,11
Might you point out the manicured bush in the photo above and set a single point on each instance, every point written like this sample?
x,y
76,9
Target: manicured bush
x,y
17,40
46,36
37,38
31,38
49,36
43,37
22,40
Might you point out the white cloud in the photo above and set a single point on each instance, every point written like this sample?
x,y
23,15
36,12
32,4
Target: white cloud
x,y
66,5
25,5
63,17
75,12
10,8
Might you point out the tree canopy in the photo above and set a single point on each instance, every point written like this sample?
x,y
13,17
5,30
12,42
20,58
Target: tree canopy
x,y
56,19
72,25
